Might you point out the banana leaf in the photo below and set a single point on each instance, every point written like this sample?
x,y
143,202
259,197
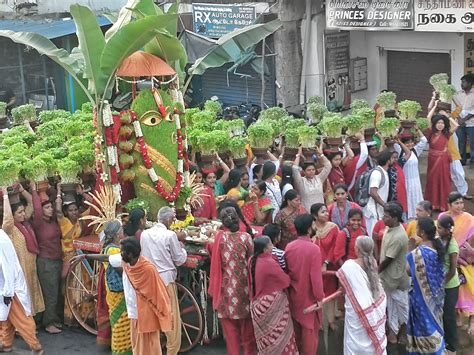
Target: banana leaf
x,y
231,46
91,44
124,17
45,47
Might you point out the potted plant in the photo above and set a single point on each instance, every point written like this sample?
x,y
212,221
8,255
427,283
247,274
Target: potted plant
x,y
446,94
354,124
292,143
331,126
272,114
408,110
388,128
9,171
387,100
203,120
423,124
42,186
222,139
237,149
261,138
207,146
316,111
24,114
36,170
438,80
359,104
235,127
68,170
307,138
213,106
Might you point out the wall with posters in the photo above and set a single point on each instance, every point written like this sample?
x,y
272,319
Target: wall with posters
x,y
374,46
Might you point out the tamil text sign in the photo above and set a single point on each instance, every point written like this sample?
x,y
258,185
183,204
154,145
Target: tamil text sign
x,y
215,20
370,14
444,15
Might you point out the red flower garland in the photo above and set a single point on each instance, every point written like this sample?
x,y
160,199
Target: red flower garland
x,y
169,197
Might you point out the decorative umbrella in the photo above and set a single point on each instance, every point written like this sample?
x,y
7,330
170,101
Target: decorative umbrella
x,y
144,64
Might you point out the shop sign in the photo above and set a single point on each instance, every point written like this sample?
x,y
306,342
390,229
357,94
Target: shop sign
x,y
444,15
216,20
337,62
370,14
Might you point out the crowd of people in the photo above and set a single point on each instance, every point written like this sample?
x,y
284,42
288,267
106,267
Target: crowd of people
x,y
295,236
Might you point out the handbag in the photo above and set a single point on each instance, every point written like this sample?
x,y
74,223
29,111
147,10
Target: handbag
x,y
113,279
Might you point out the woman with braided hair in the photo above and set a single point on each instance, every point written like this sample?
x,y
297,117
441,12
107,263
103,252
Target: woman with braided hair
x,y
228,284
365,302
269,306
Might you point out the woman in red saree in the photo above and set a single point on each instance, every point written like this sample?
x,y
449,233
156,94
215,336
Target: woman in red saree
x,y
325,237
336,176
208,210
258,210
269,305
438,182
290,209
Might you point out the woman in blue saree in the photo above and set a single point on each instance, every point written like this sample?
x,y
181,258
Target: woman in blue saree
x,y
425,320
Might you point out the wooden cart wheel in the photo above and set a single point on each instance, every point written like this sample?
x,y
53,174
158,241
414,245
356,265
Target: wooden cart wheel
x,y
192,322
81,293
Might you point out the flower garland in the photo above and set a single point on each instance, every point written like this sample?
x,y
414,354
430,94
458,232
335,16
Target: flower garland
x,y
169,197
182,224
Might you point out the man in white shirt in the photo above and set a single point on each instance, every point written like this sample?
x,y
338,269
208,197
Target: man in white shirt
x,y
379,189
465,98
162,247
15,307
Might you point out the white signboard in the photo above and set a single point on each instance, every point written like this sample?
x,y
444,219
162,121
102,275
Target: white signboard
x,y
444,15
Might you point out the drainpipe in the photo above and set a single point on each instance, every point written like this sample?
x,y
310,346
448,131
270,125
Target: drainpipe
x,y
306,49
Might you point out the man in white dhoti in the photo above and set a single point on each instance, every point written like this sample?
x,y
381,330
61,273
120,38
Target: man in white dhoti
x,y
15,308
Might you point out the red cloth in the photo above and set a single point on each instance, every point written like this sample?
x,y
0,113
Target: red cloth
x,y
377,234
336,176
269,277
208,210
326,245
104,331
47,233
340,248
30,237
239,332
307,339
303,262
350,171
215,273
401,187
438,182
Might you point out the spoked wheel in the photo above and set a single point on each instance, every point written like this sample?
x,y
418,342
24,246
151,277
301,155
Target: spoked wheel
x,y
192,323
81,293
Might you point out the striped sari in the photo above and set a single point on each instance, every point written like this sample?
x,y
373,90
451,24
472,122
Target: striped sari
x,y
425,320
272,325
119,322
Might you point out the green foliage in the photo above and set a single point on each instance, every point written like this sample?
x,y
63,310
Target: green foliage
x,y
331,124
51,163
59,153
260,135
387,100
47,116
408,109
24,113
307,136
213,106
73,129
87,108
446,93
315,100
422,123
273,114
68,170
188,115
221,139
368,116
438,80
193,136
203,119
137,203
51,128
237,147
9,171
388,126
206,143
292,138
358,104
354,123
317,111
35,170
83,154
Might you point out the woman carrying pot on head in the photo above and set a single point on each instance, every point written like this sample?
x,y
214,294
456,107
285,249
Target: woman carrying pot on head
x,y
272,192
72,228
136,223
285,219
49,261
311,186
463,232
22,235
339,161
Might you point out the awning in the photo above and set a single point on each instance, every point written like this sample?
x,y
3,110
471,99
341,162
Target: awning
x,y
46,27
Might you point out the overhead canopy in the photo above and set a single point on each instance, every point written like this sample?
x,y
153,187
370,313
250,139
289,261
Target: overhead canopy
x,y
46,27
144,64
196,45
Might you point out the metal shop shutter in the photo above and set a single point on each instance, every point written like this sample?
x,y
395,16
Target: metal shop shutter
x,y
409,73
241,90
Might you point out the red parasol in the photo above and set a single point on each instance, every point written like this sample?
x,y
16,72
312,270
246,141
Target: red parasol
x,y
144,64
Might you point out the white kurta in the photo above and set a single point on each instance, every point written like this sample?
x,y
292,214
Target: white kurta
x,y
12,280
412,177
